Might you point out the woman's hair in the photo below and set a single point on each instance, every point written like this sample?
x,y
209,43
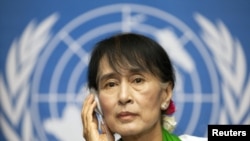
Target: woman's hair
x,y
131,50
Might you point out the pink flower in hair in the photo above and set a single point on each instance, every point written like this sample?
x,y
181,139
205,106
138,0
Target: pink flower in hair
x,y
171,108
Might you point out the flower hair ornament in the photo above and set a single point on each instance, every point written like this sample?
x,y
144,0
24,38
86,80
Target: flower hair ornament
x,y
168,119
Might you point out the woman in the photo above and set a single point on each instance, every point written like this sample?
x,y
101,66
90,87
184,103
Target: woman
x,y
134,79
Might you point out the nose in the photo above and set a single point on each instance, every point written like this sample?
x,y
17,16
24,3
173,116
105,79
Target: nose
x,y
125,95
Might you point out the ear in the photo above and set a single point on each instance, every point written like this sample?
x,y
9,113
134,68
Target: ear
x,y
167,94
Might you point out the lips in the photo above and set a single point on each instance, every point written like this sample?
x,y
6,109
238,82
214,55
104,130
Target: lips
x,y
126,116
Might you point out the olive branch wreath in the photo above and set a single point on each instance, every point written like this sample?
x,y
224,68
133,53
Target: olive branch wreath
x,y
227,53
14,89
231,64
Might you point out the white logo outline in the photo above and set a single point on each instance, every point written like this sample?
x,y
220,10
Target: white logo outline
x,y
26,116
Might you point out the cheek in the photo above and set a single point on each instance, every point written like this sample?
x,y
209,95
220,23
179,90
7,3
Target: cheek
x,y
151,98
107,104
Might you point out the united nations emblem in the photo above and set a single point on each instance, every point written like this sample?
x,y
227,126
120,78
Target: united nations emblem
x,y
54,71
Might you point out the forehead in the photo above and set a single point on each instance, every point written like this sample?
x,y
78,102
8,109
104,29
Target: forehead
x,y
105,71
104,66
121,69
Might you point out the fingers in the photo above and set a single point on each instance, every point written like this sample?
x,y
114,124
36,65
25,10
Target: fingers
x,y
88,120
87,109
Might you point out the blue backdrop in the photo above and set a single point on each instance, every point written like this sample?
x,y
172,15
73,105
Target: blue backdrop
x,y
45,47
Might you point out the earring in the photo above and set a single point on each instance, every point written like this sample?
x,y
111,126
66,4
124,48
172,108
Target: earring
x,y
164,106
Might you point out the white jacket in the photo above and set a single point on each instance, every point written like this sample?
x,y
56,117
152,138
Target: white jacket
x,y
186,137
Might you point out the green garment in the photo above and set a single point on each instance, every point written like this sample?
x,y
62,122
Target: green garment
x,y
166,136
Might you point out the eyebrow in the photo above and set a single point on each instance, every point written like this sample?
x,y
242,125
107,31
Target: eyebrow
x,y
108,75
115,74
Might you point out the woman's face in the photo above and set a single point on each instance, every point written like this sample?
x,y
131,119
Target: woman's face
x,y
131,100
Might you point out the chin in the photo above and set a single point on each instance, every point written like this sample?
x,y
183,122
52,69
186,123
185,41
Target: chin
x,y
128,131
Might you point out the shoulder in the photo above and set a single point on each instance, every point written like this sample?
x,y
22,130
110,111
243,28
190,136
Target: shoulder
x,y
186,137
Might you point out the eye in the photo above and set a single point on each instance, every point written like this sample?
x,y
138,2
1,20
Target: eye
x,y
138,80
110,85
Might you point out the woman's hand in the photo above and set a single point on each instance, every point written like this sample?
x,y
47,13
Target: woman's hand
x,y
90,129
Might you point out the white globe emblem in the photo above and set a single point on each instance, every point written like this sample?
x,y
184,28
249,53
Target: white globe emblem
x,y
57,93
